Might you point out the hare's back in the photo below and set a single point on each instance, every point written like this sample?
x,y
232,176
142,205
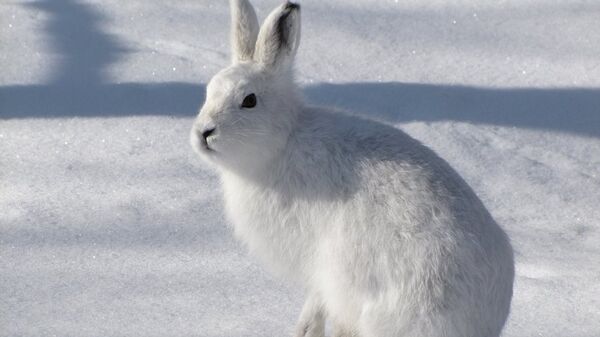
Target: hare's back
x,y
409,219
384,167
399,192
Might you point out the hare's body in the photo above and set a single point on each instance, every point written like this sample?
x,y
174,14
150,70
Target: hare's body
x,y
384,234
387,239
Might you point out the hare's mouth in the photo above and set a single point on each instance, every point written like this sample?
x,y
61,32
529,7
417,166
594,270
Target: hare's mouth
x,y
207,147
200,144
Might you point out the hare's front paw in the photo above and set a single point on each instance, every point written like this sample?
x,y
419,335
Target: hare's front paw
x,y
339,331
310,329
312,319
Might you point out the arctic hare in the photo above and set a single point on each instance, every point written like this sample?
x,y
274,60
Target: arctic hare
x,y
386,237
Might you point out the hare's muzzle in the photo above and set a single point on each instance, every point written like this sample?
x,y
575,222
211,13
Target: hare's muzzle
x,y
205,134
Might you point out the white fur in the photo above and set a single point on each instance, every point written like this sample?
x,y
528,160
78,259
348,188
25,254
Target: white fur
x,y
244,30
386,237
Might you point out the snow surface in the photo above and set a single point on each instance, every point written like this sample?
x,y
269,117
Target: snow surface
x,y
111,226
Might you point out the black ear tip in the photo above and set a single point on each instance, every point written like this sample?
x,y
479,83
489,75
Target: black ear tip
x,y
291,6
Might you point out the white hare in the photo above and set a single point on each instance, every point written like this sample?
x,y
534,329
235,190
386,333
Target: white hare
x,y
386,237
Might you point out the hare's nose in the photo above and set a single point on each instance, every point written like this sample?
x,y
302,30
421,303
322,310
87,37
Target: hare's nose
x,y
207,132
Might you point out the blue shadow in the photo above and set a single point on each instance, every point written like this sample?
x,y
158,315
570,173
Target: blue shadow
x,y
79,87
572,110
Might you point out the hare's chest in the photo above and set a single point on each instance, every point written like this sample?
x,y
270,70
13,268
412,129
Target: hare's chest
x,y
279,231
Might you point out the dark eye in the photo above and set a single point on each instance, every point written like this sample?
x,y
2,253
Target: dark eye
x,y
249,101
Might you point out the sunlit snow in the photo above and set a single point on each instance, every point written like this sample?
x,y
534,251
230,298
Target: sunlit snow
x,y
111,226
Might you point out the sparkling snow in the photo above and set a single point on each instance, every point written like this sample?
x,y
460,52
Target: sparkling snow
x,y
111,226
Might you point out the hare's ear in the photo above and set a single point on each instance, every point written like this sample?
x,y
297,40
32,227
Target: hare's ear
x,y
279,37
244,30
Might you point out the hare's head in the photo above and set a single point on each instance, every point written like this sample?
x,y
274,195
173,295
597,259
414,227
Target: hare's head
x,y
251,106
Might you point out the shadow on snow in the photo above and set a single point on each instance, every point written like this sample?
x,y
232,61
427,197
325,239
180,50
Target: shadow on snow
x,y
79,87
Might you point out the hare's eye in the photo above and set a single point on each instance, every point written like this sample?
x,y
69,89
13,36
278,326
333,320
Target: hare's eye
x,y
249,101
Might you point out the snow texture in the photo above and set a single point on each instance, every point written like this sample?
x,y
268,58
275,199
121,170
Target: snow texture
x,y
111,226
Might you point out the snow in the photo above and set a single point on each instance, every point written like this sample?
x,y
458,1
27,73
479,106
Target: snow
x,y
111,226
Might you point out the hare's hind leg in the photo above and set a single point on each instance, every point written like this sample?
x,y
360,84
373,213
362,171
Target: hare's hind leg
x,y
312,318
